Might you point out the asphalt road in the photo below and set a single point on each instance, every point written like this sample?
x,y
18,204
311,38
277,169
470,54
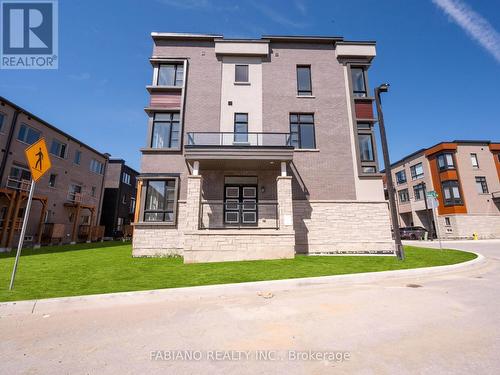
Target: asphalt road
x,y
441,324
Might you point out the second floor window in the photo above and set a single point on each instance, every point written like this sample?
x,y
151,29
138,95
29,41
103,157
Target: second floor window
x,y
171,75
166,130
304,86
241,73
417,171
445,161
358,82
17,175
58,148
28,135
451,193
126,178
78,157
302,130
418,191
473,159
401,177
481,185
96,166
241,127
404,196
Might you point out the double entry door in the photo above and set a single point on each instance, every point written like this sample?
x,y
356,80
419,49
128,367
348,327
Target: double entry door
x,y
240,204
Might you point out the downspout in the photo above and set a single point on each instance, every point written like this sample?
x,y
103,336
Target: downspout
x,y
9,143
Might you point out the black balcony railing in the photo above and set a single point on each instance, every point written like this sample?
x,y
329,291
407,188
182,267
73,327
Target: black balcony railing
x,y
238,139
234,215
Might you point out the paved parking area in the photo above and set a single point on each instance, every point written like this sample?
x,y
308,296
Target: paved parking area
x,y
431,324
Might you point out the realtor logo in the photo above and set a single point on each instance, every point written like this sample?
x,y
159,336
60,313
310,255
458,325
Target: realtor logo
x,y
29,37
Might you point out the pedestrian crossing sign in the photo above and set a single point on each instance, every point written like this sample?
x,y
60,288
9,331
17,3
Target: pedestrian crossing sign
x,y
38,159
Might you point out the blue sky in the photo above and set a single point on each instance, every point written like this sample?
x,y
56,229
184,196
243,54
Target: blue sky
x,y
441,57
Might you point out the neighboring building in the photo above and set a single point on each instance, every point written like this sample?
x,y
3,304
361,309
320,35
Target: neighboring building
x,y
466,177
67,199
120,190
258,149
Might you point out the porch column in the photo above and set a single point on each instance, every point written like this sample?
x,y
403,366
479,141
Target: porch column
x,y
284,188
193,201
75,224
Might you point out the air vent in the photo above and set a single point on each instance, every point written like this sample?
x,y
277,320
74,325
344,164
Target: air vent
x,y
276,54
230,102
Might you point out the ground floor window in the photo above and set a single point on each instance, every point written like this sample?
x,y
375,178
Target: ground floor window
x,y
160,200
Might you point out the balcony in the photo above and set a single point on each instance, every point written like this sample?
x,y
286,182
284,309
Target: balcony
x,y
18,184
238,150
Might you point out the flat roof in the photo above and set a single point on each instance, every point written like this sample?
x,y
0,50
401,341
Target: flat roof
x,y
122,161
50,126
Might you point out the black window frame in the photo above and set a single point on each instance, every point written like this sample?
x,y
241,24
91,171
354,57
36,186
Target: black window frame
x,y
300,91
239,136
473,155
52,180
171,122
404,192
418,192
298,132
414,175
484,185
61,148
28,129
176,78
452,201
359,93
398,181
246,73
165,210
446,166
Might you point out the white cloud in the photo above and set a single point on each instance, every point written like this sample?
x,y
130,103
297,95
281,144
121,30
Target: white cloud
x,y
476,26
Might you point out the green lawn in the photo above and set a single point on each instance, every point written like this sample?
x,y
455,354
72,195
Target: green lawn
x,y
104,268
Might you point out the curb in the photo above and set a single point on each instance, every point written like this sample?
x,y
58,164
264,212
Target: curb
x,y
88,302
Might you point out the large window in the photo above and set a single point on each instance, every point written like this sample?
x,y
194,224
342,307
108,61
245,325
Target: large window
x,y
166,130
358,82
28,135
451,193
304,86
417,171
160,201
401,177
17,175
404,197
171,75
96,166
241,73
418,192
481,185
58,148
302,130
241,127
445,161
473,159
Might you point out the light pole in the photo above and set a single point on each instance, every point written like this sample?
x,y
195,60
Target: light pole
x,y
388,173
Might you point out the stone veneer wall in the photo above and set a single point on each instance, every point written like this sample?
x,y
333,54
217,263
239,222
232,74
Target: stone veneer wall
x,y
337,227
463,226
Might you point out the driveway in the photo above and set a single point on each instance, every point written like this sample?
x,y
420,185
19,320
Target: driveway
x,y
448,323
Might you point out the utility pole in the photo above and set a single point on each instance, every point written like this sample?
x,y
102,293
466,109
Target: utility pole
x,y
388,173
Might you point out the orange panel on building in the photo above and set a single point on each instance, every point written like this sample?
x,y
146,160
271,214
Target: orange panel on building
x,y
437,177
364,109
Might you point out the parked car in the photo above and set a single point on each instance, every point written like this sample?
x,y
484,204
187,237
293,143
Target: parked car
x,y
412,233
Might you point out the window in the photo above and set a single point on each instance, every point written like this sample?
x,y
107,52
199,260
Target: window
x,y
166,130
481,185
78,157
404,196
417,171
27,134
473,159
366,148
52,180
2,118
302,130
401,177
74,194
418,191
17,175
124,199
160,201
132,205
241,127
451,193
447,221
358,82
241,73
93,191
126,178
304,86
445,161
58,148
96,166
171,75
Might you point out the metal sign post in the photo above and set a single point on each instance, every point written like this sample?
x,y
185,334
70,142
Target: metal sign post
x,y
434,203
23,231
38,159
438,233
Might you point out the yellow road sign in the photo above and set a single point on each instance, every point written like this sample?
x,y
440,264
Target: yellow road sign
x,y
38,159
